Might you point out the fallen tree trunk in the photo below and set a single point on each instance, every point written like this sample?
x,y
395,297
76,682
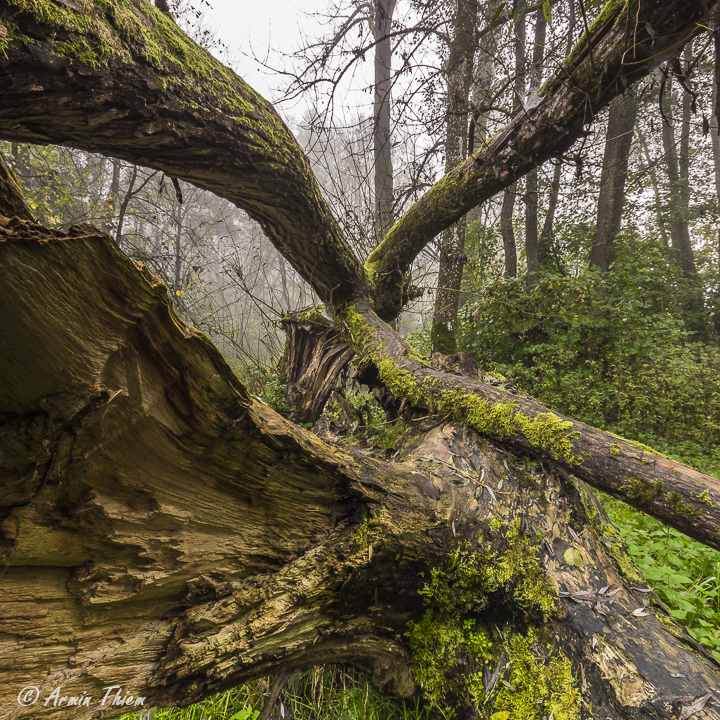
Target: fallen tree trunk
x,y
677,495
165,535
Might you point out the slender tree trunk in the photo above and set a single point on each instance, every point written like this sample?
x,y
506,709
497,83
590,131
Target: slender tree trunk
x,y
452,246
532,247
507,232
382,137
546,238
124,206
656,189
506,212
621,125
113,196
715,139
677,175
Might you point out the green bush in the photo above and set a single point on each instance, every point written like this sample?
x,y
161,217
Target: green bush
x,y
610,350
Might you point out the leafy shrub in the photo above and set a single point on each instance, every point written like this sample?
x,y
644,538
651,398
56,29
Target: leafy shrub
x,y
609,350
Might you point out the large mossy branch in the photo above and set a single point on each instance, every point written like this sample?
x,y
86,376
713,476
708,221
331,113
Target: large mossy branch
x,y
629,39
120,78
674,493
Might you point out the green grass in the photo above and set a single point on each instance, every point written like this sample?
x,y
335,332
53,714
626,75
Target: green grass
x,y
331,693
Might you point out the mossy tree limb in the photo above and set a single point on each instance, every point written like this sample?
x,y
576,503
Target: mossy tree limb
x,y
623,51
162,531
155,98
677,495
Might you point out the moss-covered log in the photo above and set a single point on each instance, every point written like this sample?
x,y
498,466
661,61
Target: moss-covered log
x,y
627,41
674,493
164,533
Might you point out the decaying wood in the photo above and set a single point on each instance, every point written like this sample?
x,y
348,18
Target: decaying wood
x,y
165,533
315,355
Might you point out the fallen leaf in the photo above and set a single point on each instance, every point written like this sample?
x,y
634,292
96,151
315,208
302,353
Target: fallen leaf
x,y
695,707
640,612
594,642
573,557
602,591
677,675
3,31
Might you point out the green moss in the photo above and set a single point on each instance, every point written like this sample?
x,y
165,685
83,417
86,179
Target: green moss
x,y
452,635
443,339
546,431
544,685
704,498
643,490
122,32
614,451
361,537
613,8
682,508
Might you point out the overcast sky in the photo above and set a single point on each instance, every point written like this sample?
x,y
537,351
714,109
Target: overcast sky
x,y
264,28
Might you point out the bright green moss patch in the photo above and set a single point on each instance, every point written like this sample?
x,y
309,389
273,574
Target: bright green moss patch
x,y
451,643
545,431
543,684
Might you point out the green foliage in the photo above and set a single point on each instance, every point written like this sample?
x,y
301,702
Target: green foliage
x,y
452,635
330,693
611,351
685,574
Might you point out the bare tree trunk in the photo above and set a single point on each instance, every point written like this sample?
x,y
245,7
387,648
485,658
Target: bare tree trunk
x,y
546,238
452,246
532,248
382,139
506,213
621,125
507,232
113,196
656,189
677,175
715,139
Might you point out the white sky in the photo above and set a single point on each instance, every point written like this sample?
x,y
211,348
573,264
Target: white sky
x,y
265,29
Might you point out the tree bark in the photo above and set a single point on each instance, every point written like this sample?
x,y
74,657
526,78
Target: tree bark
x,y
532,246
620,129
164,532
677,175
168,536
507,231
159,100
382,140
452,244
569,100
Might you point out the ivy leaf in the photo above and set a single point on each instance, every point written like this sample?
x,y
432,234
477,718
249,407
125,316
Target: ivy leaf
x,y
547,12
572,557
